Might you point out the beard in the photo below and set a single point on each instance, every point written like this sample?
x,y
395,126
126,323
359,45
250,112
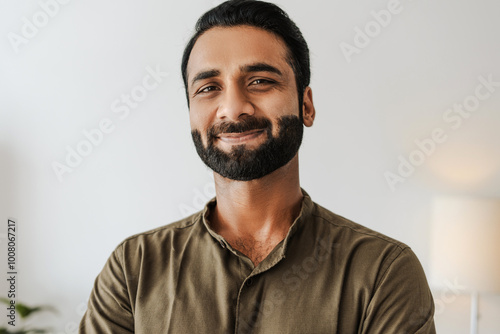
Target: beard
x,y
243,164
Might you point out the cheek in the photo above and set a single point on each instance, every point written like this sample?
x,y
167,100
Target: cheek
x,y
198,118
279,107
200,121
193,121
285,103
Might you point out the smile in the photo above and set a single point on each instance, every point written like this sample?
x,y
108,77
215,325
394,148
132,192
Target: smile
x,y
238,138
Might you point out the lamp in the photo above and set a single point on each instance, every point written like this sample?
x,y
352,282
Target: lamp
x,y
465,246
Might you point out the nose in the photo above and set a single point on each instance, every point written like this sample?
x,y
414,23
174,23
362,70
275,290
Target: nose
x,y
234,104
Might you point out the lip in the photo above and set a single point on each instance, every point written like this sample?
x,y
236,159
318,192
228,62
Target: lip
x,y
232,137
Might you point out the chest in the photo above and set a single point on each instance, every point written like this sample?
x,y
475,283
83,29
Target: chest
x,y
297,295
255,250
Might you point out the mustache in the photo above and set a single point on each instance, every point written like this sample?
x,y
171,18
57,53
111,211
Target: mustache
x,y
246,124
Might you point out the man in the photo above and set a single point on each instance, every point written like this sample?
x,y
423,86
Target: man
x,y
261,257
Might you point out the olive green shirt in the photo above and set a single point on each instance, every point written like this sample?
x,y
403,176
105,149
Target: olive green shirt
x,y
329,275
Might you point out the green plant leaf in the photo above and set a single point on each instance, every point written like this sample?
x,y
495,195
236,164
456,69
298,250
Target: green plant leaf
x,y
24,331
24,311
5,301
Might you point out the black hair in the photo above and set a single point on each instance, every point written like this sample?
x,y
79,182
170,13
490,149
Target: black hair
x,y
262,15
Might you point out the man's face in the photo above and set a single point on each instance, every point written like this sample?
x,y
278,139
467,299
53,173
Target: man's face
x,y
244,110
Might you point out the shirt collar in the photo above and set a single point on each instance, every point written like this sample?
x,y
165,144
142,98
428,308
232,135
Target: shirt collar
x,y
278,253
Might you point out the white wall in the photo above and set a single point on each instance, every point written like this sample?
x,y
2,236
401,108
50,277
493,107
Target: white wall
x,y
145,173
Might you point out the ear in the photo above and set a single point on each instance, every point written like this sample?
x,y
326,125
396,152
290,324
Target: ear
x,y
308,111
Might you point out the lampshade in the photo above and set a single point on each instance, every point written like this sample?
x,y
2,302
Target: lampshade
x,y
465,243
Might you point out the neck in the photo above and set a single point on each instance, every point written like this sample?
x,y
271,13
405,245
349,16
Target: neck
x,y
259,211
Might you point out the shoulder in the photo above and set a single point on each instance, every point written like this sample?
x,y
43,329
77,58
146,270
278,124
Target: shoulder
x,y
382,262
163,236
350,230
357,249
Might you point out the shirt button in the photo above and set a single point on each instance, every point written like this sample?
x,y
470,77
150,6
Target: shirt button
x,y
249,282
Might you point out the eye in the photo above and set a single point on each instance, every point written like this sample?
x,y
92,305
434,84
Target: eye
x,y
261,82
207,89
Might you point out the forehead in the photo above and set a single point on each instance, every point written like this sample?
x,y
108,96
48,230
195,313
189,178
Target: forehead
x,y
227,48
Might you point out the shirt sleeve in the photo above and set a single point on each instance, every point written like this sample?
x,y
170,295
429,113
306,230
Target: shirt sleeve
x,y
109,309
402,302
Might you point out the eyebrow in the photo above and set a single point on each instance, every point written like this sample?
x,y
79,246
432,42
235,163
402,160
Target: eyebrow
x,y
205,75
260,67
256,67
